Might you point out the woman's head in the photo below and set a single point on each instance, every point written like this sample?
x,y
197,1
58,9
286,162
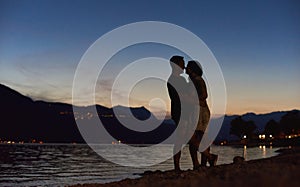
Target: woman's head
x,y
194,67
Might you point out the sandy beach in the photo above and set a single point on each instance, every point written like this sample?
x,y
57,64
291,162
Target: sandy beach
x,y
281,170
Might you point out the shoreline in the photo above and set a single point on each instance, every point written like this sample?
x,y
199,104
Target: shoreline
x,y
280,170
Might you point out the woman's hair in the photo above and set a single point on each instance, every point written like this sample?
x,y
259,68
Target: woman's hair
x,y
195,67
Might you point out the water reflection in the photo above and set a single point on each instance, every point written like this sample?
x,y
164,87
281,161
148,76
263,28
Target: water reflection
x,y
57,165
245,152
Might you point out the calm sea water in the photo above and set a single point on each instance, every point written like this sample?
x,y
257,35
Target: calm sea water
x,y
59,165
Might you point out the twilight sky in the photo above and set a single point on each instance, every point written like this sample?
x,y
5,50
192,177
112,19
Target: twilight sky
x,y
257,45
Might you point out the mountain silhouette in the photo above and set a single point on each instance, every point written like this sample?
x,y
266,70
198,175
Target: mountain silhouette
x,y
23,119
260,120
140,113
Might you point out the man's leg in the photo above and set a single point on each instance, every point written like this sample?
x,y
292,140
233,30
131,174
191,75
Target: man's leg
x,y
193,148
176,159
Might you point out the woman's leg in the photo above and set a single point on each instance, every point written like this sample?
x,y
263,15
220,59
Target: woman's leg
x,y
205,156
208,157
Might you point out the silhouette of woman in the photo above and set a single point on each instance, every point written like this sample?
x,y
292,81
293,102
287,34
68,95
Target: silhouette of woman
x,y
195,72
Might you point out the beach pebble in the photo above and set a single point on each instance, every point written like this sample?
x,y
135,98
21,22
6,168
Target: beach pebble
x,y
238,160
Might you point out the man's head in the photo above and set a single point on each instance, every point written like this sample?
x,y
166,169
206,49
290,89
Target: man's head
x,y
177,64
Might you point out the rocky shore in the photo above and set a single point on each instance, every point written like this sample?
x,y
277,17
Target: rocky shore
x,y
281,170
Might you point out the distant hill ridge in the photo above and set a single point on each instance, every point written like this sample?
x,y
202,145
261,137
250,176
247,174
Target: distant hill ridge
x,y
23,119
260,121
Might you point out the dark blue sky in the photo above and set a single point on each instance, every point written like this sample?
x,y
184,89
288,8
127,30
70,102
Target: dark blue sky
x,y
257,44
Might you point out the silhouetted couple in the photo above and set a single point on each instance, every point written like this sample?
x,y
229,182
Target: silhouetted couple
x,y
182,110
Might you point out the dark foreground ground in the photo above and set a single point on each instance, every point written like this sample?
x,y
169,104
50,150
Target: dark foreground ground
x,y
282,170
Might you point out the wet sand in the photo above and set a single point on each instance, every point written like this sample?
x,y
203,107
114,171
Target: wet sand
x,y
281,170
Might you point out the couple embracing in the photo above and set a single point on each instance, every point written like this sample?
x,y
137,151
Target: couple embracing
x,y
194,70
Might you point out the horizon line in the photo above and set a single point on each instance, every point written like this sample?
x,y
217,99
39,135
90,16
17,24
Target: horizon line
x,y
110,107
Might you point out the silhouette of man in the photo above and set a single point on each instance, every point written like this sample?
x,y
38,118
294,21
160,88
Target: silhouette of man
x,y
176,84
